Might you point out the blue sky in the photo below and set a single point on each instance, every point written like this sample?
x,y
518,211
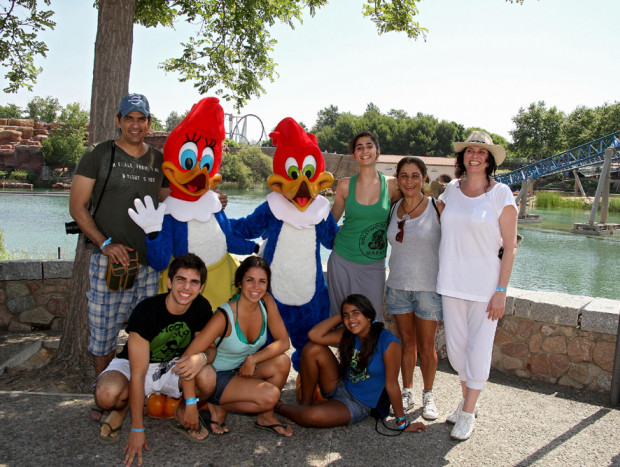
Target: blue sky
x,y
481,62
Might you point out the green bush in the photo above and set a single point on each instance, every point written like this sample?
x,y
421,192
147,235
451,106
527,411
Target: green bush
x,y
4,174
19,175
550,200
248,168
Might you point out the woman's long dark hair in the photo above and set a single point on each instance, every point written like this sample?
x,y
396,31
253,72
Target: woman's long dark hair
x,y
369,344
460,170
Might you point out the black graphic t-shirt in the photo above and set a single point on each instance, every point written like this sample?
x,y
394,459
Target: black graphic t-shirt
x,y
168,335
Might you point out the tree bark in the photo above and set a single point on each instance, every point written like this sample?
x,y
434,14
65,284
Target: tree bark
x,y
113,48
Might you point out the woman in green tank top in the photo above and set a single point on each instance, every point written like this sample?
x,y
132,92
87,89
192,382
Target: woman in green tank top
x,y
357,263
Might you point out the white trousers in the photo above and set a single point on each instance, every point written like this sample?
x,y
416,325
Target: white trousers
x,y
469,339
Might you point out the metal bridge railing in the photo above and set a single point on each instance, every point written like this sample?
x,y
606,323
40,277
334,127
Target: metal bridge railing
x,y
591,153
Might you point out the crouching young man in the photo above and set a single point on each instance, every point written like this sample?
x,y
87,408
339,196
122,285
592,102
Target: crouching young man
x,y
160,329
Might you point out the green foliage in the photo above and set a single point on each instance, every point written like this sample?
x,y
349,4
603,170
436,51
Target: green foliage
x,y
20,23
538,131
43,109
156,124
231,143
231,53
550,200
10,111
174,119
398,133
248,168
4,174
23,176
4,253
67,142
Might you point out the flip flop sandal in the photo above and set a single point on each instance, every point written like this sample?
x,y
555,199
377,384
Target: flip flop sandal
x,y
176,426
96,413
109,439
205,416
271,428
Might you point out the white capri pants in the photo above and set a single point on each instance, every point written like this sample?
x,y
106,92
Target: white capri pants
x,y
469,339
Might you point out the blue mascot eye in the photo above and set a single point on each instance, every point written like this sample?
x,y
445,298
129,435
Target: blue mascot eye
x,y
187,155
207,159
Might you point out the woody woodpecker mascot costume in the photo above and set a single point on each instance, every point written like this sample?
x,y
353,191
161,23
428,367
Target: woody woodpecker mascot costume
x,y
296,220
191,219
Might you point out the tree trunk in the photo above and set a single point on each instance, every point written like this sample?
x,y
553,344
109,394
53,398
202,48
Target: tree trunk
x,y
113,48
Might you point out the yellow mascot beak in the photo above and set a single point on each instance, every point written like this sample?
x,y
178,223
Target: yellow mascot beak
x,y
301,191
196,182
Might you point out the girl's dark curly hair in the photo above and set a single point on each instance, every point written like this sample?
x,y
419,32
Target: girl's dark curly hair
x,y
369,344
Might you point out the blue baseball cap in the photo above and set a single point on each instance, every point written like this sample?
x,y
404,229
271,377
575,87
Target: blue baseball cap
x,y
132,102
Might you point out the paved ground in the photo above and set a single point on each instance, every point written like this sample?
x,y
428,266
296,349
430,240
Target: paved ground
x,y
520,423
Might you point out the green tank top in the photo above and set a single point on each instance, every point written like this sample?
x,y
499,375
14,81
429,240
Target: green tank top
x,y
361,239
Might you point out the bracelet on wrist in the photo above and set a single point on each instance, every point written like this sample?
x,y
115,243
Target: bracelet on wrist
x,y
137,430
106,243
500,289
191,401
206,359
403,426
400,419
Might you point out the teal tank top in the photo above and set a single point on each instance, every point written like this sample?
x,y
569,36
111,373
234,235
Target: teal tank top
x,y
235,348
362,239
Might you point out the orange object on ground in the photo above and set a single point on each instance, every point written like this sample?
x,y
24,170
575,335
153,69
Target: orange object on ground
x,y
318,397
160,406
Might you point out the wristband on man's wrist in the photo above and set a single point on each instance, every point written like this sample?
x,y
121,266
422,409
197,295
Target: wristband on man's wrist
x,y
500,289
191,401
106,243
137,430
205,357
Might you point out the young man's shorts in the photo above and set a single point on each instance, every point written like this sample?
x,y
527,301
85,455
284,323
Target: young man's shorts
x,y
108,310
358,411
222,379
159,377
425,305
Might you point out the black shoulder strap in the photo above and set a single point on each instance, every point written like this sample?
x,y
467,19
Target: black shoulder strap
x,y
389,219
435,206
112,151
219,308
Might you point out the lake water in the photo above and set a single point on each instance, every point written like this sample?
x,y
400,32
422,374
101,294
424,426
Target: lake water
x,y
550,258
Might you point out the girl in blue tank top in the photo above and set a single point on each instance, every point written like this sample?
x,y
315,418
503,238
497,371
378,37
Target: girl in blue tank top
x,y
243,363
369,363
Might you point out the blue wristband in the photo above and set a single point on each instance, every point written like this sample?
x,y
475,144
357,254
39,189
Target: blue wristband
x,y
403,426
500,289
400,419
106,243
191,401
137,430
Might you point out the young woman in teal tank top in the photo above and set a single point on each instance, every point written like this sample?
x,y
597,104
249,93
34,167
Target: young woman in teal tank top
x,y
357,263
251,383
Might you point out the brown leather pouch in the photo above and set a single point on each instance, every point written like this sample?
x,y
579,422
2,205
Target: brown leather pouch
x,y
119,276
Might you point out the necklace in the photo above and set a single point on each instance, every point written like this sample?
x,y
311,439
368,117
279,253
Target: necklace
x,y
406,215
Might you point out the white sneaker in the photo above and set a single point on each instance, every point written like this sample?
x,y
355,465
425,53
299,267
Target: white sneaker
x,y
464,426
429,412
407,398
454,415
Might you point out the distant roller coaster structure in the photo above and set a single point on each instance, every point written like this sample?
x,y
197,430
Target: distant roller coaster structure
x,y
238,128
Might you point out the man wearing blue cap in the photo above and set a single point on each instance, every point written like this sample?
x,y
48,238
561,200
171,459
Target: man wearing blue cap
x,y
108,178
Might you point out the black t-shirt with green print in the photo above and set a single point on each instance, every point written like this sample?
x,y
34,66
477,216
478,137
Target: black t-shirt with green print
x,y
168,335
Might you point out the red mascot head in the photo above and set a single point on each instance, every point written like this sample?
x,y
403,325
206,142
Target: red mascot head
x,y
298,165
193,151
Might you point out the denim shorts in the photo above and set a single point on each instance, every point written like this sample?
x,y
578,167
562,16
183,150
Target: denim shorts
x,y
358,411
425,305
222,379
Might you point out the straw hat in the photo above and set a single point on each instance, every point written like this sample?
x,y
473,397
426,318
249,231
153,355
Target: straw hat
x,y
483,140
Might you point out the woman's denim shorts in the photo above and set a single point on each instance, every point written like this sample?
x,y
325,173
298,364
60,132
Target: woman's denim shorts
x,y
425,305
222,379
357,410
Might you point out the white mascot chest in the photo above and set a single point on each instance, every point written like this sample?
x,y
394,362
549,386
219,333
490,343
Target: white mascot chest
x,y
293,268
207,240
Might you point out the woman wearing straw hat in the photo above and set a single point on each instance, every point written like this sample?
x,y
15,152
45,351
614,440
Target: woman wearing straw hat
x,y
479,217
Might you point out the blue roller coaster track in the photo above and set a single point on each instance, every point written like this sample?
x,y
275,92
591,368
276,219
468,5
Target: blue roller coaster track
x,y
591,153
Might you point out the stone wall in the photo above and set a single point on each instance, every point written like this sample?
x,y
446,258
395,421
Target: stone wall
x,y
20,143
558,338
34,294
